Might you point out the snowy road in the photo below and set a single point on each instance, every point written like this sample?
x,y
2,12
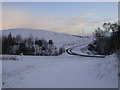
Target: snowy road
x,y
76,50
63,71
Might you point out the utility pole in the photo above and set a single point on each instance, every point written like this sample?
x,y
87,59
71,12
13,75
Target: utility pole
x,y
82,32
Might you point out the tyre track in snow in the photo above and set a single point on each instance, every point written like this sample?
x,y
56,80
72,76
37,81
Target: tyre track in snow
x,y
70,52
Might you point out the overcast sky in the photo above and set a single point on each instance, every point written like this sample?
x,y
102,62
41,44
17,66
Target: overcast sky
x,y
64,17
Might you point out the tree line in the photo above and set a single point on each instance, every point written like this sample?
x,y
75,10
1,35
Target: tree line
x,y
29,46
107,40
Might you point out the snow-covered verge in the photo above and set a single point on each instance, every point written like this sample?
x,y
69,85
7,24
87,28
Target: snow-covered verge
x,y
63,71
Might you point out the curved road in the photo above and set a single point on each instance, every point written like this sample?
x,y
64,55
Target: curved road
x,y
69,51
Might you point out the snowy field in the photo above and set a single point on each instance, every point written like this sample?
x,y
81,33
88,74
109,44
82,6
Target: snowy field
x,y
64,71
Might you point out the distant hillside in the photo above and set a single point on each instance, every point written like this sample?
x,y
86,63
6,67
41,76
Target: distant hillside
x,y
58,38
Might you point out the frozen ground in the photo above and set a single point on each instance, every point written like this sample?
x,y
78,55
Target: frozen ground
x,y
60,72
64,71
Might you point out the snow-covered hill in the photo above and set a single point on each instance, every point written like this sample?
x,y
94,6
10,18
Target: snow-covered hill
x,y
64,71
58,38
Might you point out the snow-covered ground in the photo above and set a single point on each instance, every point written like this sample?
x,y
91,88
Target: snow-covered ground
x,y
64,71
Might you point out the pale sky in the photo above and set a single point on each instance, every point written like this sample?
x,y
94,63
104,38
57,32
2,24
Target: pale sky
x,y
63,17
